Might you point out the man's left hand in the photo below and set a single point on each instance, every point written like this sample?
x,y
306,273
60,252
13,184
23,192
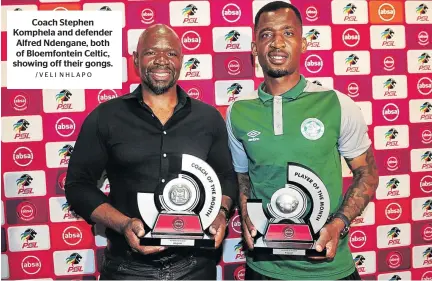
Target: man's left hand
x,y
329,239
218,229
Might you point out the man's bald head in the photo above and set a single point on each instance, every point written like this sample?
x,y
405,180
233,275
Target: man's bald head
x,y
155,31
158,58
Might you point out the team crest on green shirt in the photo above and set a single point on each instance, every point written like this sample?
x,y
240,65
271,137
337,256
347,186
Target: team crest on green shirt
x,y
312,128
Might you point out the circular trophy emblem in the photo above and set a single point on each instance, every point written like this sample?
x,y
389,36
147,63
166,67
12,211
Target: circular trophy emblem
x,y
178,224
289,202
179,194
312,128
288,232
286,203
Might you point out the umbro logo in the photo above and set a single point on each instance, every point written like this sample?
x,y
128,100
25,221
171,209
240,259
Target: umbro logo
x,y
253,135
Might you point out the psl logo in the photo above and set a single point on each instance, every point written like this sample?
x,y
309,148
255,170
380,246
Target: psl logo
x,y
190,65
395,278
189,11
426,110
23,184
359,262
350,61
317,82
69,214
386,35
390,84
230,37
63,97
421,10
423,60
390,136
27,236
392,185
427,157
239,251
19,127
392,235
233,91
349,11
311,36
427,207
73,260
65,152
427,255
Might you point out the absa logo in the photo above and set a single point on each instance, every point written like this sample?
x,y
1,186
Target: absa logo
x,y
231,12
147,16
191,40
106,95
426,184
20,101
312,13
31,265
394,259
23,156
357,239
194,92
72,235
393,211
65,127
233,66
390,112
351,37
386,12
314,63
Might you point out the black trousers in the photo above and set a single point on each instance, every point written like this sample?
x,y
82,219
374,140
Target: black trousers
x,y
134,266
253,275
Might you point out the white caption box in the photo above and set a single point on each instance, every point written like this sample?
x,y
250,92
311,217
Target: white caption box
x,y
73,49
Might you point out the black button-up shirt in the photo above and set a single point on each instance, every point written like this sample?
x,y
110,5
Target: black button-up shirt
x,y
123,137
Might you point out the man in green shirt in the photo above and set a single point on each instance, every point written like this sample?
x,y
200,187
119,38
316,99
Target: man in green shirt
x,y
290,119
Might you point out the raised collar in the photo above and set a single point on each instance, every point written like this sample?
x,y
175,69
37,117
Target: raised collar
x,y
137,94
293,93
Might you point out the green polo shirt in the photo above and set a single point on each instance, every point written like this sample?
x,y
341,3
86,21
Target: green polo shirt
x,y
310,125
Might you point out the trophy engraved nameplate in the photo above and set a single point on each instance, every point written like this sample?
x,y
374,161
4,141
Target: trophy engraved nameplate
x,y
180,212
290,223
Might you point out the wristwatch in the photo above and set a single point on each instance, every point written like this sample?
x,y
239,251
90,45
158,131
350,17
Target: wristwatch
x,y
346,221
226,212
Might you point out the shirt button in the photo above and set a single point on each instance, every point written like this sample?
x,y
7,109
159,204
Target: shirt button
x,y
164,132
164,155
163,180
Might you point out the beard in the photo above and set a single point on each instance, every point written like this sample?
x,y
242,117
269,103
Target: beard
x,y
277,73
159,87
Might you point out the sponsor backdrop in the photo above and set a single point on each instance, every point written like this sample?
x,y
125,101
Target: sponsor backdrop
x,y
377,52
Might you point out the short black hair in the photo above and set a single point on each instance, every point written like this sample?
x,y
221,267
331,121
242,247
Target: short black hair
x,y
274,6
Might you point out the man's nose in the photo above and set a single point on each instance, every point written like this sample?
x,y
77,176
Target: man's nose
x,y
161,59
278,42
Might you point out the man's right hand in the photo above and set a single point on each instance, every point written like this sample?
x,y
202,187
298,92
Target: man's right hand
x,y
249,231
133,231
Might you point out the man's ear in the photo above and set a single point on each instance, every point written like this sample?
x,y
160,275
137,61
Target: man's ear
x,y
304,45
254,49
135,59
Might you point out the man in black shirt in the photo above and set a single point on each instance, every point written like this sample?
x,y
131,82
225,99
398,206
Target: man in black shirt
x,y
136,138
